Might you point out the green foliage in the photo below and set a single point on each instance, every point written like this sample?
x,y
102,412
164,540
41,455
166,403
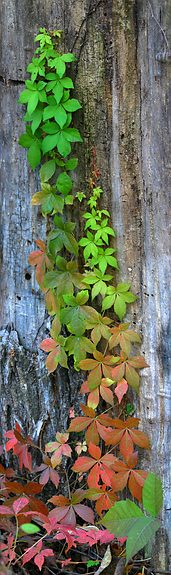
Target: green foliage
x,y
79,330
126,519
152,494
30,528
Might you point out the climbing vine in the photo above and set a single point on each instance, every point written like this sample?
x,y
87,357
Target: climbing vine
x,y
77,298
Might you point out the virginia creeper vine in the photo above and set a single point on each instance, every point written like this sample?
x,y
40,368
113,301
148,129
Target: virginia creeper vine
x,y
77,299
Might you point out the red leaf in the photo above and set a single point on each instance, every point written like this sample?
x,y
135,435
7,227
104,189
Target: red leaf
x,y
45,476
48,344
94,477
118,372
31,552
83,464
70,518
54,476
39,559
4,510
94,450
19,504
59,513
126,445
135,484
84,512
121,389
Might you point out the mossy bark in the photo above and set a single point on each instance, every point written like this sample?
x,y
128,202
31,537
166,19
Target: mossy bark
x,y
124,88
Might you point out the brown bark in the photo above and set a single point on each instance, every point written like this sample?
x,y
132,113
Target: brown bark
x,y
123,81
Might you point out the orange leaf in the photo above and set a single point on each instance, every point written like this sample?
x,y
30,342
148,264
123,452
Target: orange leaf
x,y
121,389
83,464
52,360
94,450
126,445
92,433
40,244
114,437
106,394
48,344
140,439
59,500
79,424
138,361
118,372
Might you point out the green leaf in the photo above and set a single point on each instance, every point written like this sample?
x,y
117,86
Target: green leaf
x,y
125,519
71,164
29,528
152,494
50,128
69,200
63,145
92,563
68,57
61,237
67,83
60,67
25,140
72,105
78,346
140,535
49,112
60,116
58,92
121,517
108,301
47,170
32,103
34,155
36,119
64,183
123,287
24,96
49,142
72,135
120,307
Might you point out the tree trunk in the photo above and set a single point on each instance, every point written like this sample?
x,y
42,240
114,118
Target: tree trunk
x,y
122,80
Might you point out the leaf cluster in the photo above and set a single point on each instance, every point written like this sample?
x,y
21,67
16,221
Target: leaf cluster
x,y
77,300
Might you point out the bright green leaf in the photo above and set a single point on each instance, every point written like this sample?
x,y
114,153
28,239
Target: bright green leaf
x,y
34,155
152,494
29,528
47,170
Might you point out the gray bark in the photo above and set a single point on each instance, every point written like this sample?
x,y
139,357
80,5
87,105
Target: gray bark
x,y
122,78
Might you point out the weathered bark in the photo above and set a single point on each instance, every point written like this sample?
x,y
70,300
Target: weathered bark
x,y
125,94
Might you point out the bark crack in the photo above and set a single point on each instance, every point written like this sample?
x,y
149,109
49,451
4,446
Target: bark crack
x,y
11,81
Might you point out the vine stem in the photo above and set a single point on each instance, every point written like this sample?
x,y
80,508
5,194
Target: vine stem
x,y
34,545
158,24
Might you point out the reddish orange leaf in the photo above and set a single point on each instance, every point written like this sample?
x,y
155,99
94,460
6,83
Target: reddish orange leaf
x,y
121,389
94,451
